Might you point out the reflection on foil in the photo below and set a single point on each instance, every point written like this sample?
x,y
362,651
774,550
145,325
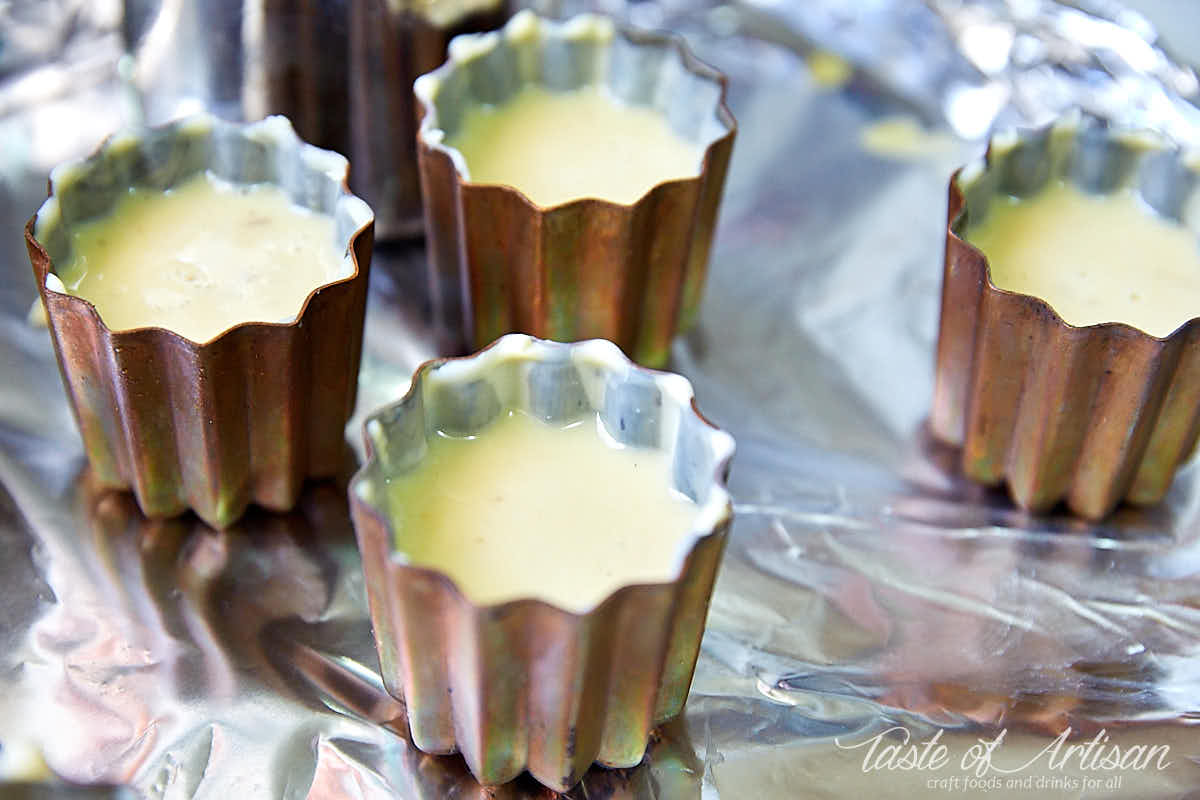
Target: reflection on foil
x,y
346,686
866,585
183,645
988,63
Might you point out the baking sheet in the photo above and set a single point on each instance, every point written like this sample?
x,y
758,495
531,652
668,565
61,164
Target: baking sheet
x,y
869,599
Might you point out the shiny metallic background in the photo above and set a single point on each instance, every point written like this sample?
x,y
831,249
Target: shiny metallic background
x,y
865,588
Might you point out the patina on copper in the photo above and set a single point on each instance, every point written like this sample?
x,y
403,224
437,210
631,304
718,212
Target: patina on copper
x,y
248,415
1090,416
633,274
525,685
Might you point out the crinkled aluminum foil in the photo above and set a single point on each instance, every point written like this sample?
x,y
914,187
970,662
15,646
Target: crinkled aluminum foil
x,y
866,588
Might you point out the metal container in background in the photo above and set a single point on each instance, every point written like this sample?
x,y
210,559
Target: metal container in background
x,y
864,584
391,44
295,62
1087,415
341,71
632,273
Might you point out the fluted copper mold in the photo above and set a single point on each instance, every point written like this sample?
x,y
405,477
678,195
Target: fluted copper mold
x,y
343,73
524,685
634,273
1087,415
248,415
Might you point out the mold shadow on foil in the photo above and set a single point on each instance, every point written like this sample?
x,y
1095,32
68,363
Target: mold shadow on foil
x,y
276,600
347,682
217,590
400,284
947,498
141,619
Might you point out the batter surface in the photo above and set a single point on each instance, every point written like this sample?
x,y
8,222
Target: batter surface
x,y
202,257
561,146
1094,259
525,509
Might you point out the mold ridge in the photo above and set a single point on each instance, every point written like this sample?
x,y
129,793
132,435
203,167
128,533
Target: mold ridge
x,y
213,425
630,273
525,685
1087,415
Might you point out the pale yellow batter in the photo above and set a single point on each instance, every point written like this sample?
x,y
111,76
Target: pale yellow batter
x,y
1094,258
525,509
202,257
442,12
561,146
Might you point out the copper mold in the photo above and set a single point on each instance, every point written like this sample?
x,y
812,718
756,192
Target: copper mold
x,y
524,685
633,274
248,415
1087,415
391,44
343,73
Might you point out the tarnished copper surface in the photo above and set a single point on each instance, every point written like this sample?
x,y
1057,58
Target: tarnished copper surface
x,y
250,414
343,73
389,48
1087,415
633,274
299,69
863,585
524,685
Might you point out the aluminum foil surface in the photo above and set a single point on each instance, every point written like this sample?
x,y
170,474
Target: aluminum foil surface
x,y
880,628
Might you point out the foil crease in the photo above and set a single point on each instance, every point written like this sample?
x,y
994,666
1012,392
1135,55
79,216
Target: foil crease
x,y
249,415
866,583
1090,415
988,64
633,274
524,685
